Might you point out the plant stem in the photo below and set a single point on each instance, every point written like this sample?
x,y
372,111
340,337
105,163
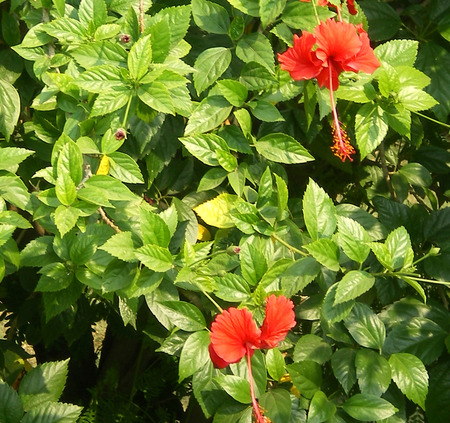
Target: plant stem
x,y
315,11
286,244
127,110
432,120
141,16
256,409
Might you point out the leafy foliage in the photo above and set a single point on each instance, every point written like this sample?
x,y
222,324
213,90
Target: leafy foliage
x,y
157,166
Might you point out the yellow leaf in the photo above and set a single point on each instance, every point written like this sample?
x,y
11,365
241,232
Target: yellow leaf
x,y
103,167
203,233
216,212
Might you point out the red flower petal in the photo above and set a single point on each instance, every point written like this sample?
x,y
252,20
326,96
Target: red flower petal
x,y
217,361
280,318
300,60
351,7
231,332
365,60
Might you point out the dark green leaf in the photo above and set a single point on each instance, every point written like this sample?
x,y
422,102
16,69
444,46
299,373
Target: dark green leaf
x,y
353,239
194,354
256,47
368,407
313,348
384,21
275,363
53,413
335,312
320,408
343,365
184,315
306,376
373,372
276,404
237,387
210,16
11,409
209,114
253,263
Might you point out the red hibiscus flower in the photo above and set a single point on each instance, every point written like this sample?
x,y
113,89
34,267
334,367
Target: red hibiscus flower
x,y
333,48
234,334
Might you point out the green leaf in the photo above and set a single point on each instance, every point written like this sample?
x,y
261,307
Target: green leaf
x,y
120,246
209,114
101,78
178,18
65,189
370,128
44,383
55,277
258,369
194,354
160,39
306,376
384,21
373,372
326,252
110,101
282,196
335,312
368,407
414,99
366,327
282,148
256,47
10,157
232,288
100,53
275,363
70,162
210,16
237,387
277,405
313,348
438,398
411,376
66,30
118,275
53,413
434,60
353,239
398,52
352,285
398,244
92,11
204,147
9,108
419,336
299,15
105,185
216,212
124,168
320,408
184,315
269,10
66,218
416,174
249,7
211,179
234,92
265,111
253,263
155,257
140,57
318,211
153,228
299,275
157,96
38,252
343,365
256,77
11,409
105,32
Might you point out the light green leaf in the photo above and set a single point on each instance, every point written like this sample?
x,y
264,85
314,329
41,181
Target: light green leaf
x,y
249,7
313,348
157,96
153,228
120,246
66,30
9,108
411,376
368,408
100,53
232,288
253,263
318,211
216,212
398,244
53,412
275,363
92,11
105,32
204,147
256,77
265,111
366,327
110,101
256,47
335,312
210,17
210,65
44,383
235,386
277,405
352,285
194,354
140,57
282,148
160,39
370,128
101,78
211,179
124,168
299,15
269,10
10,157
353,239
326,252
209,114
233,91
184,315
373,372
66,218
155,257
398,52
416,174
306,376
414,99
